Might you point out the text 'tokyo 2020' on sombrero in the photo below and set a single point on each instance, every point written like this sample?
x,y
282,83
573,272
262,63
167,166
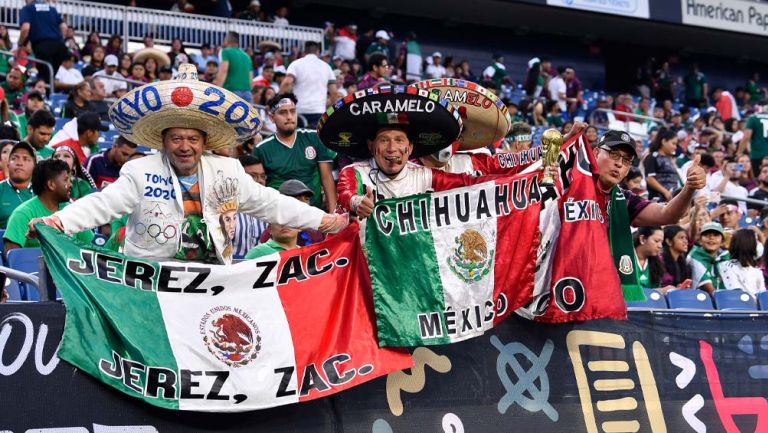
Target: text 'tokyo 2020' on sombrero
x,y
431,123
143,113
485,116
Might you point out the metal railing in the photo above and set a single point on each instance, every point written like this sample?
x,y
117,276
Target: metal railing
x,y
722,313
194,30
629,116
37,61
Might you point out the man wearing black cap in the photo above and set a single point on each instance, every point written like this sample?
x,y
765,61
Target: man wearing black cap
x,y
614,154
16,189
279,237
88,127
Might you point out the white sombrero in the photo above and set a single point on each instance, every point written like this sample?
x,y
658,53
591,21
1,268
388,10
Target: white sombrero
x,y
145,112
160,57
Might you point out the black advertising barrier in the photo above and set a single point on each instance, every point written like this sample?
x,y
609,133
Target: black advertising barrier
x,y
651,373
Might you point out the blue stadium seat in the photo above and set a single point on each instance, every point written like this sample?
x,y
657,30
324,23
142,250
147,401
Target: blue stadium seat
x,y
58,99
762,299
689,298
735,299
60,122
13,289
25,260
654,299
2,247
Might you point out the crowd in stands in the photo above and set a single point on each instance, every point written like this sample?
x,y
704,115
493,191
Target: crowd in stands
x,y
717,246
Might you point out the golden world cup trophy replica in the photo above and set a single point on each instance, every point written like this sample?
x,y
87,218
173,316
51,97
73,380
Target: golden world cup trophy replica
x,y
551,140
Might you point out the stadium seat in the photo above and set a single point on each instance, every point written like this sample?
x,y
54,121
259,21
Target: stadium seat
x,y
13,289
2,247
60,122
58,99
689,298
762,299
25,260
654,299
735,299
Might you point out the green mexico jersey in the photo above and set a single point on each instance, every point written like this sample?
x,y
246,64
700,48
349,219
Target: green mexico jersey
x,y
758,124
300,161
10,199
18,224
238,72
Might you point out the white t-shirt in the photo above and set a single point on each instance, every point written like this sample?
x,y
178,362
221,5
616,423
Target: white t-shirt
x,y
110,86
312,77
69,76
557,86
344,46
735,276
435,71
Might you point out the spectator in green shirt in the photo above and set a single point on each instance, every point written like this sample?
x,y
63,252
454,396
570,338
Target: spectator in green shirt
x,y
39,131
235,68
705,260
696,88
756,93
51,184
16,189
282,238
296,154
14,87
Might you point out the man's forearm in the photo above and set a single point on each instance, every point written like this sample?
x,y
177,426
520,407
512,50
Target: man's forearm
x,y
23,36
678,206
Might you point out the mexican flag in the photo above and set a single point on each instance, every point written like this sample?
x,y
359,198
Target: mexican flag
x,y
450,265
575,276
282,329
447,266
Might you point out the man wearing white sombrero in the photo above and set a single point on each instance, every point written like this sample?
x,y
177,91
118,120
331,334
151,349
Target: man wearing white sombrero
x,y
182,202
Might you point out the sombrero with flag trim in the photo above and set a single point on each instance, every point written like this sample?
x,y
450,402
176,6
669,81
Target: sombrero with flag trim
x,y
485,116
348,125
145,112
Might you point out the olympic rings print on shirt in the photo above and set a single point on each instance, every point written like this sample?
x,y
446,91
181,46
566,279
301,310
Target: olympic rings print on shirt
x,y
161,235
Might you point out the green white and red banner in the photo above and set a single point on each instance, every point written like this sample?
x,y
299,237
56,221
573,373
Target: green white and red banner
x,y
447,266
281,329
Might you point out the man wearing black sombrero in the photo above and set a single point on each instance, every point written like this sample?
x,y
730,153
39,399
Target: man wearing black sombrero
x,y
183,201
388,126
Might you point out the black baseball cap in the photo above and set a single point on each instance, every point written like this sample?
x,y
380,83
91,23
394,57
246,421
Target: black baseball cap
x,y
618,140
24,145
36,95
295,188
91,121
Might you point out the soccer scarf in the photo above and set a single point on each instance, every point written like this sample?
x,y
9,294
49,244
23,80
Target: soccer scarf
x,y
622,249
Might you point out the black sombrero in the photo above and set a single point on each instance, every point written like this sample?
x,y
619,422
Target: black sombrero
x,y
431,123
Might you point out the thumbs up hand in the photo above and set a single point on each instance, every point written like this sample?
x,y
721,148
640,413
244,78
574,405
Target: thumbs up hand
x,y
362,205
696,177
